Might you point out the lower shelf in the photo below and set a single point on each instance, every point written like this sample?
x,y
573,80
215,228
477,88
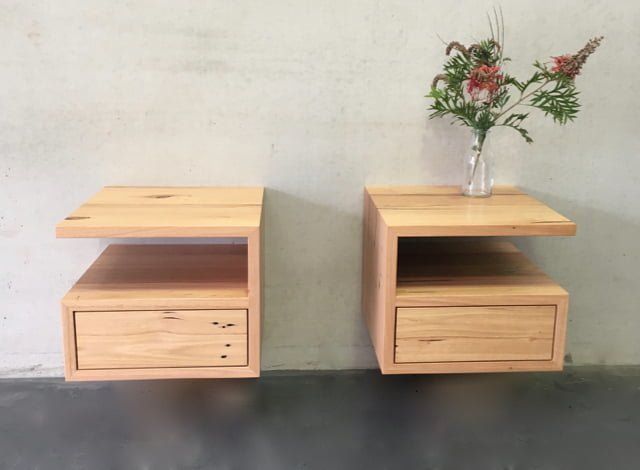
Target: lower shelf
x,y
162,311
472,306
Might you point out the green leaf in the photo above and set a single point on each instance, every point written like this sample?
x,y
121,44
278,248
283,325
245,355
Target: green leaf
x,y
561,102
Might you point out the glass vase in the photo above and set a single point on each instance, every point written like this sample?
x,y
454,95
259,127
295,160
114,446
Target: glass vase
x,y
478,175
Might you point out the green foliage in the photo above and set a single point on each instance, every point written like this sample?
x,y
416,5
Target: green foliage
x,y
457,70
551,92
451,99
561,102
486,52
514,121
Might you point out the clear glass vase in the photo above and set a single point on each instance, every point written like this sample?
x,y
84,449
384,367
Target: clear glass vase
x,y
478,175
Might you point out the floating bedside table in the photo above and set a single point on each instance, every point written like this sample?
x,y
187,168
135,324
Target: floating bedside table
x,y
166,311
437,303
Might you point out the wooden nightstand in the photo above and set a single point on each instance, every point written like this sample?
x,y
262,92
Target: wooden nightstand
x,y
166,311
435,302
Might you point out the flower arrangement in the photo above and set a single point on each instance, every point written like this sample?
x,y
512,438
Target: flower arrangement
x,y
476,91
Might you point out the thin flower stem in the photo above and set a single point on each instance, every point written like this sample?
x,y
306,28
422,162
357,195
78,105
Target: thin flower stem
x,y
476,160
473,170
522,98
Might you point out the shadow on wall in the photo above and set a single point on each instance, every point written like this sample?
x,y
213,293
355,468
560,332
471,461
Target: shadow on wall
x,y
603,291
312,265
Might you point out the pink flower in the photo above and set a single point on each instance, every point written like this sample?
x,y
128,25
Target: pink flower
x,y
484,82
566,65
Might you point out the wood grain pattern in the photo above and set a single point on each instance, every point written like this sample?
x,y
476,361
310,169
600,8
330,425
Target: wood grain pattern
x,y
254,268
161,278
454,273
488,333
378,280
419,272
149,212
162,373
443,211
164,277
165,338
474,367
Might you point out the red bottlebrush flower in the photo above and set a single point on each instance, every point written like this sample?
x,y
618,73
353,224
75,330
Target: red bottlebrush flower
x,y
571,64
484,82
566,65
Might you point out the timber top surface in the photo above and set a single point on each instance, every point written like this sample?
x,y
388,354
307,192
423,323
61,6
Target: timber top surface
x,y
483,267
159,276
442,211
150,212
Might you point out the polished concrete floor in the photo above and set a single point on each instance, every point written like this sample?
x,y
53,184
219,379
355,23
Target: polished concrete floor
x,y
584,418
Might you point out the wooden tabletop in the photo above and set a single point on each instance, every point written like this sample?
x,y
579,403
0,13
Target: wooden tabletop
x,y
148,212
426,211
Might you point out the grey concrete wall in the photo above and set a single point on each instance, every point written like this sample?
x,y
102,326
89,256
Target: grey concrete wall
x,y
312,99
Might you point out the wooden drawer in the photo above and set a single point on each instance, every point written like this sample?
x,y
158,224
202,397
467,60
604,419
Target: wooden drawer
x,y
160,339
475,333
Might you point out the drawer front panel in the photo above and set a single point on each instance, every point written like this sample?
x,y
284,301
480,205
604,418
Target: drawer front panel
x,y
152,339
476,333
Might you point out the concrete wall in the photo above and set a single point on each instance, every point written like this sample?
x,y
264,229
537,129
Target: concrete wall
x,y
312,99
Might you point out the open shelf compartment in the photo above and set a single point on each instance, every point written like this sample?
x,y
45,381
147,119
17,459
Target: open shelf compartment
x,y
176,276
434,271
